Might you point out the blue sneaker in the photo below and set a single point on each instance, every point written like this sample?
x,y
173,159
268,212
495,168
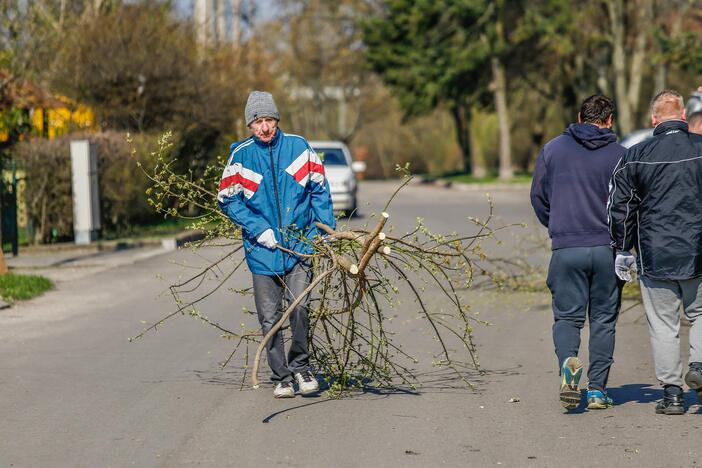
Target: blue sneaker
x,y
597,399
571,371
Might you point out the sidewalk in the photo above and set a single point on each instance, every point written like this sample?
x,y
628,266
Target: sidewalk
x,y
67,262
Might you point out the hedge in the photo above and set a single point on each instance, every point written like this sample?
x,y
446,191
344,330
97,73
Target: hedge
x,y
46,166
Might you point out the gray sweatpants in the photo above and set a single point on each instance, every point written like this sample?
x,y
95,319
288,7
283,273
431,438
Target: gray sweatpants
x,y
269,292
662,299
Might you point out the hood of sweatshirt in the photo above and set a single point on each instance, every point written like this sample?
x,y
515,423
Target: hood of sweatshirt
x,y
591,136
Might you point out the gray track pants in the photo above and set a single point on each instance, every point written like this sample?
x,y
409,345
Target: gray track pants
x,y
268,296
662,299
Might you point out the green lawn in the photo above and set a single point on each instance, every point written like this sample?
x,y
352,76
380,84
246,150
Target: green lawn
x,y
22,287
632,291
490,179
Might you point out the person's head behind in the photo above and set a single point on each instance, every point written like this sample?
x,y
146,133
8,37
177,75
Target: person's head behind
x,y
667,105
262,115
597,110
694,122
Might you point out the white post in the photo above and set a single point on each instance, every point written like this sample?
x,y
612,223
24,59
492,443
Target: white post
x,y
86,201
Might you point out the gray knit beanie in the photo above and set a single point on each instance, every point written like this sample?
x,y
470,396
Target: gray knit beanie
x,y
260,104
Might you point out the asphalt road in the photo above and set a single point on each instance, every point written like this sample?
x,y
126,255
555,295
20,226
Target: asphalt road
x,y
75,393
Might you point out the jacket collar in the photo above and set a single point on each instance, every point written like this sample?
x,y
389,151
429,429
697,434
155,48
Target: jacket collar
x,y
673,126
273,142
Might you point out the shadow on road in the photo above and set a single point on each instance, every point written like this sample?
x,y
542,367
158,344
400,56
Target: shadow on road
x,y
439,379
639,393
319,398
645,393
268,418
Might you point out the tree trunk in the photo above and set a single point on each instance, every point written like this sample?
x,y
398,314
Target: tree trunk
x,y
3,265
661,76
616,21
62,12
477,152
202,16
602,81
500,91
220,32
236,22
461,117
638,59
628,86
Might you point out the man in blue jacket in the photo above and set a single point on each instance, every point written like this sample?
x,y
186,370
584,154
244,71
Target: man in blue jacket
x,y
275,189
569,195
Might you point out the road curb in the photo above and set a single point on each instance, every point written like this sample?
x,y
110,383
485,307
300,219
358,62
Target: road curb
x,y
168,243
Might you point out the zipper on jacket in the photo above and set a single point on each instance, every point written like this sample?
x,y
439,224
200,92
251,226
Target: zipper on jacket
x,y
275,190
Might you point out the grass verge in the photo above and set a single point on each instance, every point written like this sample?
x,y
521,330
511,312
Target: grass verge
x,y
15,288
632,291
491,179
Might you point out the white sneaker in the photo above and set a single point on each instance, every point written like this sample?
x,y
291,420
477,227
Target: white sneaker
x,y
307,383
284,390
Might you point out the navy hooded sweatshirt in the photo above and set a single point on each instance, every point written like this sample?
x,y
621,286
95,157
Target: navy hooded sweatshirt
x,y
571,184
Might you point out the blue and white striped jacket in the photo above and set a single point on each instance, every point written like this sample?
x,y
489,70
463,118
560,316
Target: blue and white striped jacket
x,y
278,185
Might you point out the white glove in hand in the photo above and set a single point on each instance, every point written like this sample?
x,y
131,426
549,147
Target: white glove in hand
x,y
624,264
267,239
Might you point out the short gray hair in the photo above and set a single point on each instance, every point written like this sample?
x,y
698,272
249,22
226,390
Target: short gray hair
x,y
667,105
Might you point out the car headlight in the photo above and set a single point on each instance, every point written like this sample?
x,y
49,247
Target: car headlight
x,y
339,185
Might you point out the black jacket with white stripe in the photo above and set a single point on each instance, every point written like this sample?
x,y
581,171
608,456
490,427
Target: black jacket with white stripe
x,y
655,203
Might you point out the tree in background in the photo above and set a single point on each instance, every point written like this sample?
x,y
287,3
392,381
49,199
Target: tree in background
x,y
630,46
680,42
431,54
482,84
141,69
26,39
134,65
453,53
329,90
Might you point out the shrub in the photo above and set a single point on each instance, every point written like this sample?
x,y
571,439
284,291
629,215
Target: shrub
x,y
47,170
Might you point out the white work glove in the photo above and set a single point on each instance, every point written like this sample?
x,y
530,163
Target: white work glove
x,y
624,264
267,239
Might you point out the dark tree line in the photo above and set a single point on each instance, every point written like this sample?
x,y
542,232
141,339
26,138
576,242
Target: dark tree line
x,y
482,83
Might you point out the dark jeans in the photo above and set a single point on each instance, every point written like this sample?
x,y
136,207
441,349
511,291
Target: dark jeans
x,y
268,296
583,284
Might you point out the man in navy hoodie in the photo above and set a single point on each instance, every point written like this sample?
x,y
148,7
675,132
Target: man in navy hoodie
x,y
569,195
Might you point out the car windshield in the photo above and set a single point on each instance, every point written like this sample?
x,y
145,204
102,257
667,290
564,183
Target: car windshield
x,y
331,156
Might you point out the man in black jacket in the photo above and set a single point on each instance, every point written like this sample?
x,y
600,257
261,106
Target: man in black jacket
x,y
655,206
569,195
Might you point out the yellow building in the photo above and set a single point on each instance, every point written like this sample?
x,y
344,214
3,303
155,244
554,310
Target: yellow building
x,y
53,122
41,114
48,115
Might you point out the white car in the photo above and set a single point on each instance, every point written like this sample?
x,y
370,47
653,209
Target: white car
x,y
636,137
341,173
